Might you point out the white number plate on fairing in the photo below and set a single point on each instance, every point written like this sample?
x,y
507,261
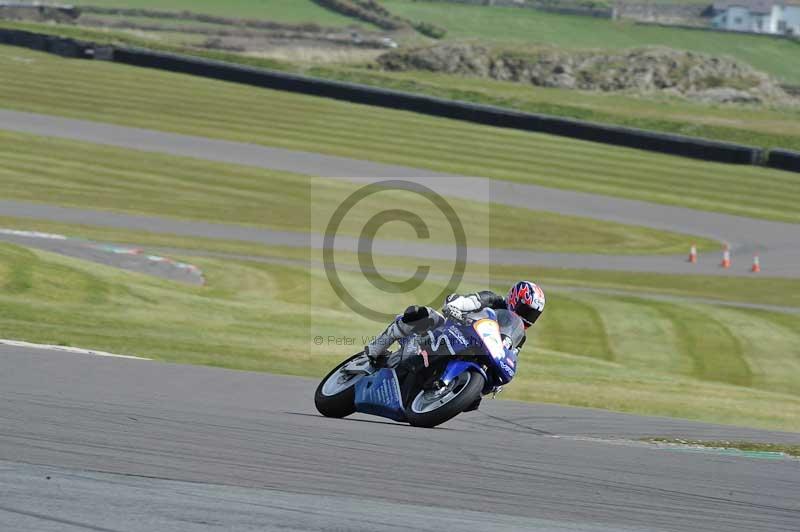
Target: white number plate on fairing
x,y
489,331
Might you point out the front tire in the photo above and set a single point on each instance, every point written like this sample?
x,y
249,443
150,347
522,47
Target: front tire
x,y
429,408
334,399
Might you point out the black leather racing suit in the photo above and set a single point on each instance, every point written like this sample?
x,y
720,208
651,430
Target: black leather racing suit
x,y
420,319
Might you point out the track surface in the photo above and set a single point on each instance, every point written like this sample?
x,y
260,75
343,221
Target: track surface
x,y
778,243
129,445
123,257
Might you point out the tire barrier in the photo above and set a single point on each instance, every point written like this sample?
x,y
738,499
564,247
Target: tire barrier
x,y
784,160
47,43
696,148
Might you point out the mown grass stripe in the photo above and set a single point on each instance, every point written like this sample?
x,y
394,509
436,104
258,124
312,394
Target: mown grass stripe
x,y
668,188
421,145
717,354
103,177
639,334
609,155
573,326
773,368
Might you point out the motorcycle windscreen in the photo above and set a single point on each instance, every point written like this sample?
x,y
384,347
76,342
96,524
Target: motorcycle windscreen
x,y
511,326
503,359
379,395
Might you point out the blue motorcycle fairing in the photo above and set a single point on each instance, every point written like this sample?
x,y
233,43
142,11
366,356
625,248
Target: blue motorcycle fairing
x,y
505,367
379,394
456,367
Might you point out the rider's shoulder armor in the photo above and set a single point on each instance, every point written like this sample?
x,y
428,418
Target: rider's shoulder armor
x,y
491,300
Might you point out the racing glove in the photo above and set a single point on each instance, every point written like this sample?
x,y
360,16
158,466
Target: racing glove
x,y
456,306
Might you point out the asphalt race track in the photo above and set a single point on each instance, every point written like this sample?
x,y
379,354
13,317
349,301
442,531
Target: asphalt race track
x,y
123,257
778,243
106,444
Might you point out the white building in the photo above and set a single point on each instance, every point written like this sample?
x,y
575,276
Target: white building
x,y
757,16
785,19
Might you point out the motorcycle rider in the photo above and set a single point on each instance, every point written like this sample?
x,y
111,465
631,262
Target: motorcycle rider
x,y
525,299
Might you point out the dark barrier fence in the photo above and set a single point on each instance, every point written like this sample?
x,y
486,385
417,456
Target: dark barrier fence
x,y
481,114
784,160
47,43
708,150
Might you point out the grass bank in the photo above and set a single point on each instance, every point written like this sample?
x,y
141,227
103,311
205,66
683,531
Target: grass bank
x,y
758,125
762,126
756,447
157,100
528,26
287,11
257,317
512,26
761,291
85,175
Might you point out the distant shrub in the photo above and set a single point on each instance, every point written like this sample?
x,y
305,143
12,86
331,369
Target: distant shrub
x,y
430,30
374,7
366,10
373,12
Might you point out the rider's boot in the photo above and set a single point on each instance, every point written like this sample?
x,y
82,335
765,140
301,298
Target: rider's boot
x,y
378,349
415,319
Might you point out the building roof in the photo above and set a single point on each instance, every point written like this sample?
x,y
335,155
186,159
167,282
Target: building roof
x,y
763,7
754,6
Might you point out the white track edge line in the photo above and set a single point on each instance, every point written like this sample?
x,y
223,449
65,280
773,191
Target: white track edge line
x,y
76,350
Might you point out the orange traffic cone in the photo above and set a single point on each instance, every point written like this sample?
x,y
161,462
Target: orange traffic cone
x,y
756,264
726,258
693,254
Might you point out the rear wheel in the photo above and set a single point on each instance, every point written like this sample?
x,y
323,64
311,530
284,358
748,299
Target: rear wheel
x,y
336,394
433,407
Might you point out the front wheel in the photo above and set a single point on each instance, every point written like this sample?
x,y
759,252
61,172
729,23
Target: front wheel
x,y
433,407
336,394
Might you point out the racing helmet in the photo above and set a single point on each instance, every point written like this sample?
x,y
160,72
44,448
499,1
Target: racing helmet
x,y
526,299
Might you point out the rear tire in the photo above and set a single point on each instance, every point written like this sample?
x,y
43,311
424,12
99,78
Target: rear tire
x,y
464,397
341,404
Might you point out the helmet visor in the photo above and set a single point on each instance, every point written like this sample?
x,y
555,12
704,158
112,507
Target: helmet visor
x,y
529,315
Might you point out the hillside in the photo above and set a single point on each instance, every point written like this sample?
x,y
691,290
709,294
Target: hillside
x,y
641,71
108,92
288,11
511,26
526,26
330,52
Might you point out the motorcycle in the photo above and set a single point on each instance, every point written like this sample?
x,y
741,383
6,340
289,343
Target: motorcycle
x,y
432,377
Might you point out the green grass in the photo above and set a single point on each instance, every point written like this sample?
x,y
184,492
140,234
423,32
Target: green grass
x,y
288,11
512,26
257,317
765,291
527,26
762,290
563,378
709,343
622,352
157,100
176,44
85,175
748,446
762,126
